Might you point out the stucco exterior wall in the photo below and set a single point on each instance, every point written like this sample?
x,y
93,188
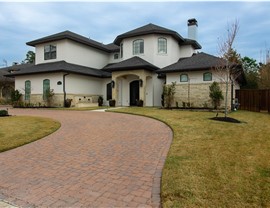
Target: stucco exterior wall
x,y
83,90
174,51
73,52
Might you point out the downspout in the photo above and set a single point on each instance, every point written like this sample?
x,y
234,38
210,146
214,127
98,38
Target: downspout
x,y
64,87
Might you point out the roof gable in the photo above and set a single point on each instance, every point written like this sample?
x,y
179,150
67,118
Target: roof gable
x,y
77,38
131,64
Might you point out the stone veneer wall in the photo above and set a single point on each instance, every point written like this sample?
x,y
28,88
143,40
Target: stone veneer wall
x,y
198,95
58,100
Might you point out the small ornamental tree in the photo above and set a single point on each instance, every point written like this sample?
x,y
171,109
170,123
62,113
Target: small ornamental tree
x,y
215,94
15,97
168,94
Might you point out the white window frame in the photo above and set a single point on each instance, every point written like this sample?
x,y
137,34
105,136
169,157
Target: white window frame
x,y
138,47
162,45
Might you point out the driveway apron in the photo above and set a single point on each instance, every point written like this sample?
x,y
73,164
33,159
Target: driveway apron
x,y
94,160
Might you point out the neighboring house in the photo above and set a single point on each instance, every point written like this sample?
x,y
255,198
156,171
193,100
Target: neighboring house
x,y
134,67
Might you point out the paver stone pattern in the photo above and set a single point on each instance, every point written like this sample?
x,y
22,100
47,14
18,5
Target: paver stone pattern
x,y
94,160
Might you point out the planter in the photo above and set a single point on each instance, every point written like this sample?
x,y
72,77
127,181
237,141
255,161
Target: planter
x,y
68,103
140,103
112,103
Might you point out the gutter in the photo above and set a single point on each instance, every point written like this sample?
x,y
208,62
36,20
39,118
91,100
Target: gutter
x,y
64,87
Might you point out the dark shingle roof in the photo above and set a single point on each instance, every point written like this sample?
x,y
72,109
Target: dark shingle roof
x,y
200,61
60,66
131,64
75,37
155,29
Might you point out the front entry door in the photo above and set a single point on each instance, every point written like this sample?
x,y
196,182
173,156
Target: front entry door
x,y
134,92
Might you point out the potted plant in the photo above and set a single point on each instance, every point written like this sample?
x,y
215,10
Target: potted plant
x,y
112,103
68,103
100,101
140,103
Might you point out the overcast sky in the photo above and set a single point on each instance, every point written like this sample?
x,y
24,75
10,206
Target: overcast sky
x,y
21,22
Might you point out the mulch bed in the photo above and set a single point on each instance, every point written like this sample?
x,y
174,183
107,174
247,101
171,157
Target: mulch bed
x,y
226,119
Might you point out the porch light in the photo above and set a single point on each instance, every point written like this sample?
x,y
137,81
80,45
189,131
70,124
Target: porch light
x,y
112,83
141,82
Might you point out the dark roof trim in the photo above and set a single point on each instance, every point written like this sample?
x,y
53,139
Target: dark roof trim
x,y
155,29
60,66
77,38
131,64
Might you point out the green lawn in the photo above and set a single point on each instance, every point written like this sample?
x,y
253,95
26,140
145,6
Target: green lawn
x,y
16,131
213,163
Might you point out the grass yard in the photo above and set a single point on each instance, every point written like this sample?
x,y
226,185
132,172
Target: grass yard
x,y
16,131
213,163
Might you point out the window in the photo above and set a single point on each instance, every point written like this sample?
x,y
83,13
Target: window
x,y
116,56
46,88
138,47
183,78
109,91
49,52
207,76
162,45
27,90
121,50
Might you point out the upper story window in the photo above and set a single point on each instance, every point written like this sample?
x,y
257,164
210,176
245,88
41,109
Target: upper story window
x,y
162,45
207,76
27,89
138,47
49,52
116,56
183,78
121,50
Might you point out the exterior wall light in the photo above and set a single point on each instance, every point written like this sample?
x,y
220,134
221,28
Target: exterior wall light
x,y
59,83
141,82
112,83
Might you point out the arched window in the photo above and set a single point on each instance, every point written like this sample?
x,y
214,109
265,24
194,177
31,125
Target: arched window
x,y
46,88
183,78
162,45
138,47
27,88
207,76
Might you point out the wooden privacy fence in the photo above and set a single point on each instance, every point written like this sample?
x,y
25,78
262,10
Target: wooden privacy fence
x,y
254,100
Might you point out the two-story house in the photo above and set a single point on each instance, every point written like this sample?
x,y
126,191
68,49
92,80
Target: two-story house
x,y
134,67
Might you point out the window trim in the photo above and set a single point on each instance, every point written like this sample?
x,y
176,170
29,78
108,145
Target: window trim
x,y
161,51
140,46
205,74
27,91
184,75
51,53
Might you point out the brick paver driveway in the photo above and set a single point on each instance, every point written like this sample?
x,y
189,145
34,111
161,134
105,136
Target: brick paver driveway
x,y
94,160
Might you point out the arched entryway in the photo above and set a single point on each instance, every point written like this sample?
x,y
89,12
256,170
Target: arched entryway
x,y
134,92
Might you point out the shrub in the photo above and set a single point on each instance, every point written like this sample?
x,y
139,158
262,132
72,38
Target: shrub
x,y
15,97
168,93
215,94
3,113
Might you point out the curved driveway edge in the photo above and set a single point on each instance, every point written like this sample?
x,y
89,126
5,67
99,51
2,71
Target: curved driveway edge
x,y
94,160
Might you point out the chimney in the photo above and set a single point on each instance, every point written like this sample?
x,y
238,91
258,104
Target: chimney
x,y
192,29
